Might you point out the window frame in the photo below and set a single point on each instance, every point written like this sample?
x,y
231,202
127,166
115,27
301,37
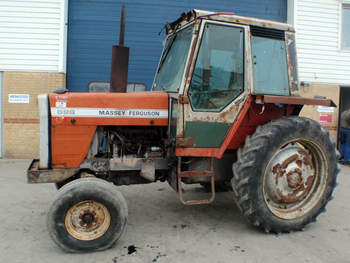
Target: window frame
x,y
343,5
202,31
192,42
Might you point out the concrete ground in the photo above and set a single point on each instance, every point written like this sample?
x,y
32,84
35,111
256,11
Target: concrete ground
x,y
163,230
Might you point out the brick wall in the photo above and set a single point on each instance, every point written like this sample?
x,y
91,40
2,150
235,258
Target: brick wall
x,y
21,121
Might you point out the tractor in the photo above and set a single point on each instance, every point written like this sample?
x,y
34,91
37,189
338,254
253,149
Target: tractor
x,y
223,112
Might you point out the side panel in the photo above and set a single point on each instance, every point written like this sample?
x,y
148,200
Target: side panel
x,y
207,134
70,144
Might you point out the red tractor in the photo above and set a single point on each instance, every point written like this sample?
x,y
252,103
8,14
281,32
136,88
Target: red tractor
x,y
222,112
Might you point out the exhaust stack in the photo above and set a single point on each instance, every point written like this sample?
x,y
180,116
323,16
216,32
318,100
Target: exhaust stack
x,y
120,60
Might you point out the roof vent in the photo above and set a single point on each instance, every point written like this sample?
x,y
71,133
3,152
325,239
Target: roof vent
x,y
267,32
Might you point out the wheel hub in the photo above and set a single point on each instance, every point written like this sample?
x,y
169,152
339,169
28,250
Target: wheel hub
x,y
87,220
289,177
294,178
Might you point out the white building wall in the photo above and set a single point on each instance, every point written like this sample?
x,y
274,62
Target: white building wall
x,y
1,116
32,35
318,35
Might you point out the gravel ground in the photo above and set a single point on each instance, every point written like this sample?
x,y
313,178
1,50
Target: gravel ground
x,y
163,230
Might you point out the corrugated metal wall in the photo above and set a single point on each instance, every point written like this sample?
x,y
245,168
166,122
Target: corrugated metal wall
x,y
29,35
1,114
320,59
94,28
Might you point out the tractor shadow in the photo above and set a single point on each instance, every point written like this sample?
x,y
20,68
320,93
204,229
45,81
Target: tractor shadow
x,y
159,204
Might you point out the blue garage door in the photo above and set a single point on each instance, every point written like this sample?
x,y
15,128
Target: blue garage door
x,y
94,27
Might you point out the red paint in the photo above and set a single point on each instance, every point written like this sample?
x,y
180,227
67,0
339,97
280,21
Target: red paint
x,y
231,135
250,116
216,152
132,100
198,152
70,144
257,115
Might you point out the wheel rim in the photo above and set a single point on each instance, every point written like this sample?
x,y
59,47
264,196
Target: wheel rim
x,y
295,179
87,220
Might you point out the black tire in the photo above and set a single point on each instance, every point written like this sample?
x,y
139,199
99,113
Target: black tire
x,y
77,196
60,185
301,200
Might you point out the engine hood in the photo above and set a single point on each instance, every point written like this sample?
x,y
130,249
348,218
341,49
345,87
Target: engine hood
x,y
137,108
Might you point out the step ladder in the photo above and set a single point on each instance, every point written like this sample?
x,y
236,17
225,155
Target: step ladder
x,y
205,173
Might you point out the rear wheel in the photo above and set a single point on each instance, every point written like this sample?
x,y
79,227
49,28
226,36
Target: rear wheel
x,y
88,214
285,174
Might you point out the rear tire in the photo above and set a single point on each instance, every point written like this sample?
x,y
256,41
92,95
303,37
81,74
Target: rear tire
x,y
88,214
285,174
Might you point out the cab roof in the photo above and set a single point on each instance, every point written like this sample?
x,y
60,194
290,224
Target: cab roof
x,y
194,14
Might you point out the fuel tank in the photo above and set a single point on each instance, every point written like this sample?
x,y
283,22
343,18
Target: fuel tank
x,y
75,117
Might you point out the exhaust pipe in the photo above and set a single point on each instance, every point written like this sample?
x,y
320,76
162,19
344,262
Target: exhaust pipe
x,y
120,60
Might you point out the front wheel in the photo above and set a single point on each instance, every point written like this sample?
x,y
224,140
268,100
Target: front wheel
x,y
88,214
285,174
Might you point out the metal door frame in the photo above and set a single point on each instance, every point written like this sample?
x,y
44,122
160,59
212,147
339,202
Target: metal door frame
x,y
185,111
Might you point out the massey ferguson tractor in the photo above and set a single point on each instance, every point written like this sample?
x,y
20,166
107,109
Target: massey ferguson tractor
x,y
222,112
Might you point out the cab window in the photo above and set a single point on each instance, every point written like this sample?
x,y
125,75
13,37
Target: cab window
x,y
218,74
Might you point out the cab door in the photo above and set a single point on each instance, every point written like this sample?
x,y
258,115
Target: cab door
x,y
215,89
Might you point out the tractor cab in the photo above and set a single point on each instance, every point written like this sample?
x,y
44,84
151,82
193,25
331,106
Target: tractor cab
x,y
212,62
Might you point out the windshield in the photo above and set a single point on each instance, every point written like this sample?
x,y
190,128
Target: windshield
x,y
172,64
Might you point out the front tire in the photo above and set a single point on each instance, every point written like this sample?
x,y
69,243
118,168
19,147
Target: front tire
x,y
285,174
88,214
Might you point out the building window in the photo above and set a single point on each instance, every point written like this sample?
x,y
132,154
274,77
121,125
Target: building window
x,y
345,27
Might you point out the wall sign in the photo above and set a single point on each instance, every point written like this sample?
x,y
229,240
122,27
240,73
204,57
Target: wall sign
x,y
326,118
19,98
325,109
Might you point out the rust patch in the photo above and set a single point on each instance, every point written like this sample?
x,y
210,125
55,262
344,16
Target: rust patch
x,y
294,196
306,159
299,163
183,99
208,173
298,100
309,182
277,169
36,175
289,160
185,142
